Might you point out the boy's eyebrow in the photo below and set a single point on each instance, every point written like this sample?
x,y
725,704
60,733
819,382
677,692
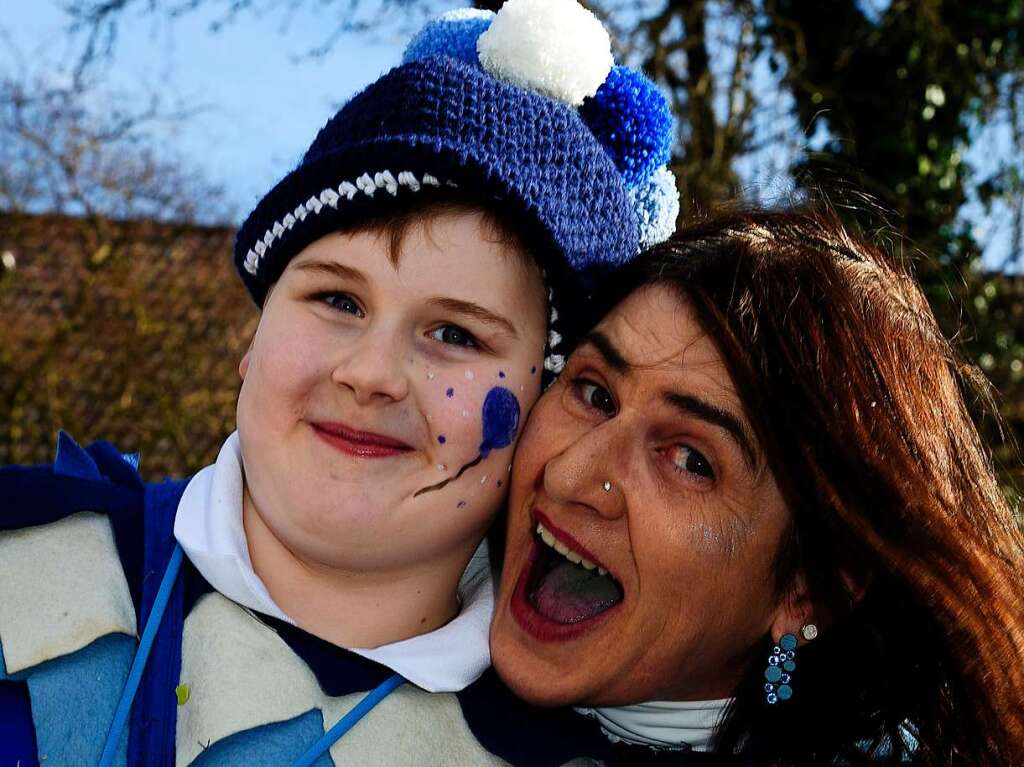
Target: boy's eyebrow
x,y
477,312
332,269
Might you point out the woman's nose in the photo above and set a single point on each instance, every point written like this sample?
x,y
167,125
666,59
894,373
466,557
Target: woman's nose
x,y
374,367
590,471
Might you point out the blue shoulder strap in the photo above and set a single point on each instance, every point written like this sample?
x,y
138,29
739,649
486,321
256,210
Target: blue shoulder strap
x,y
154,713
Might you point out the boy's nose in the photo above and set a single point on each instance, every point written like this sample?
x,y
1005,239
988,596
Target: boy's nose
x,y
374,369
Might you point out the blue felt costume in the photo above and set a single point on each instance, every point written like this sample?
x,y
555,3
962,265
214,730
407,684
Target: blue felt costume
x,y
57,710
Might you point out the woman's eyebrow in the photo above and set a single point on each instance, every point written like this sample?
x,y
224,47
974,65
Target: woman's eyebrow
x,y
477,312
705,411
612,357
332,269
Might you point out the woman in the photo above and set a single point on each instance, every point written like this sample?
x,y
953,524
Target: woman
x,y
756,501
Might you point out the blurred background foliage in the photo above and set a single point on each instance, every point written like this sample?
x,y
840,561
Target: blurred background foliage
x,y
908,114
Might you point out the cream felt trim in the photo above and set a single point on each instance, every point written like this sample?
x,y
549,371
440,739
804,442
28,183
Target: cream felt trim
x,y
240,675
61,588
409,727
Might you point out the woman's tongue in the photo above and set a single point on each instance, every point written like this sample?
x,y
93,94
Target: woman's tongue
x,y
569,593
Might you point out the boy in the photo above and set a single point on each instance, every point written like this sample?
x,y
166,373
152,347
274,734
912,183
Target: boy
x,y
408,272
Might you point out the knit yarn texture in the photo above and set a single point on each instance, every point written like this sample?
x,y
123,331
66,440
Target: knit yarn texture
x,y
526,155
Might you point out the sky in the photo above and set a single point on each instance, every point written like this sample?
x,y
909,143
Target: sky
x,y
263,97
262,100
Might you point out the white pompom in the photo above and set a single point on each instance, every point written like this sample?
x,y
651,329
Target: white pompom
x,y
555,47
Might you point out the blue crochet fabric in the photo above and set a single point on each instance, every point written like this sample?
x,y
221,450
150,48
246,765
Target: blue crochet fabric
x,y
452,121
453,34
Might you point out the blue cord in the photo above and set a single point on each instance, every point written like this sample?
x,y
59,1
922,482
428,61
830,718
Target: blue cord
x,y
131,686
347,722
124,707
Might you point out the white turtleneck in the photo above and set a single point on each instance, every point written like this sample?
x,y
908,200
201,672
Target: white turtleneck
x,y
679,725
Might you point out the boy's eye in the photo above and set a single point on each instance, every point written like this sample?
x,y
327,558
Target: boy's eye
x,y
453,335
595,396
341,302
685,459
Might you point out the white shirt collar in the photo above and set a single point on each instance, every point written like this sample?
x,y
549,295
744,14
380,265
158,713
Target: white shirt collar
x,y
662,724
208,525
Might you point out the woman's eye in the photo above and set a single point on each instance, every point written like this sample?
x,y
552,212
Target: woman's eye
x,y
453,336
341,302
685,458
596,397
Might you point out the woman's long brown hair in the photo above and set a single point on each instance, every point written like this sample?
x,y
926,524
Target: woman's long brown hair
x,y
912,555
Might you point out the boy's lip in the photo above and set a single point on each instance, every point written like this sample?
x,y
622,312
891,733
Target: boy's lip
x,y
364,444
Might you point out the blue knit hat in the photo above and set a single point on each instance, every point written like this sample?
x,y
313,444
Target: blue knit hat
x,y
563,159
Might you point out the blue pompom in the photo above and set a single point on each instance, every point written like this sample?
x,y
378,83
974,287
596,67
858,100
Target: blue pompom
x,y
632,120
451,34
656,205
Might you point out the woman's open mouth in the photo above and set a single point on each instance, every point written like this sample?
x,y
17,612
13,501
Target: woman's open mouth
x,y
563,591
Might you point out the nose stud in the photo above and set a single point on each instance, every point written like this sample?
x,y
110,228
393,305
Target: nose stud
x,y
607,486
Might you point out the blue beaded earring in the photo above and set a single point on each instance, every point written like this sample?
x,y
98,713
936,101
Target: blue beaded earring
x,y
781,664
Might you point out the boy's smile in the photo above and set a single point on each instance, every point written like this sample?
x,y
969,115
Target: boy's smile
x,y
366,382
362,444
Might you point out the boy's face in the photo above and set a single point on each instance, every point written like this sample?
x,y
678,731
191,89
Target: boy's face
x,y
366,384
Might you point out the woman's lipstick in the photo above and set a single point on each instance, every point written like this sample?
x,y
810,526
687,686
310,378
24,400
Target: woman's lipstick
x,y
526,615
362,444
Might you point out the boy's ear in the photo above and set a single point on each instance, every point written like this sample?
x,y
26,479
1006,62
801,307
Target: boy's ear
x,y
243,365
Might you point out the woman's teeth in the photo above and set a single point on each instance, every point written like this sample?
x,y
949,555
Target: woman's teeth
x,y
565,551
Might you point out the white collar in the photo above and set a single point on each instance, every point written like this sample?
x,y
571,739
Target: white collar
x,y
208,525
677,725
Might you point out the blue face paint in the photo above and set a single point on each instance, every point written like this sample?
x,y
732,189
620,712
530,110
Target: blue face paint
x,y
450,393
500,419
533,370
501,374
500,422
441,439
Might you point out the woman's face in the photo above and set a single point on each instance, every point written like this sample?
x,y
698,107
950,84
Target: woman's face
x,y
686,528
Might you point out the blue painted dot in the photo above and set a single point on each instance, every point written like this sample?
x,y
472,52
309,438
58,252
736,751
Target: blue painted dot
x,y
501,374
450,393
441,439
533,370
